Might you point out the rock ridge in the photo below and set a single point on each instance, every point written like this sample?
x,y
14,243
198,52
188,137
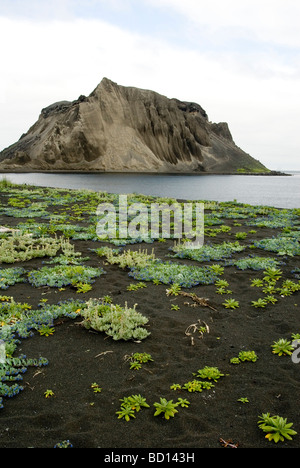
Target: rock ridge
x,y
127,129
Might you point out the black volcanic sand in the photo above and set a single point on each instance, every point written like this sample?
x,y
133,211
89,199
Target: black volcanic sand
x,y
79,357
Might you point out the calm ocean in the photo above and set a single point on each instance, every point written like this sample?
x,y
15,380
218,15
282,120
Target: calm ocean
x,y
278,191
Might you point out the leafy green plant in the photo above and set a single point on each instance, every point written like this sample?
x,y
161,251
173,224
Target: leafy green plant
x,y
281,245
197,386
210,373
217,269
247,356
174,273
255,263
276,427
83,287
230,304
183,402
11,276
271,299
282,347
166,407
129,258
126,412
135,365
142,357
175,387
259,303
137,359
136,402
121,323
96,388
243,400
272,274
244,356
45,330
135,287
208,252
241,235
22,247
173,290
63,275
256,282
130,405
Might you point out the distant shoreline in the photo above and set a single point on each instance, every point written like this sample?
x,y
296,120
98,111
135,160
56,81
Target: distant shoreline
x,y
270,173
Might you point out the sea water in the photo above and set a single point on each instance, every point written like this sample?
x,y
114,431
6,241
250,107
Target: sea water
x,y
278,191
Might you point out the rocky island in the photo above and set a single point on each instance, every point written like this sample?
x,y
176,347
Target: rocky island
x,y
127,129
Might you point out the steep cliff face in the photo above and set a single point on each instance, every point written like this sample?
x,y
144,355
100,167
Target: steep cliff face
x,y
126,129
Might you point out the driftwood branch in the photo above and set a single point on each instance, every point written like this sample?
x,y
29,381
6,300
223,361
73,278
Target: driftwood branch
x,y
198,300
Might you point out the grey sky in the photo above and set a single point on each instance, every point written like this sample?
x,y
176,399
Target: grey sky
x,y
239,59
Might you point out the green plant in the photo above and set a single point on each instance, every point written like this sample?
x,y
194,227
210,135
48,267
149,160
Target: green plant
x,y
83,287
208,252
49,393
247,356
107,299
63,275
271,299
137,359
142,357
241,235
96,388
255,263
257,282
281,245
221,283
218,269
129,258
183,402
173,290
235,360
272,274
244,356
230,304
282,347
175,387
276,427
131,404
243,400
135,365
197,386
210,373
223,291
121,323
174,273
126,412
259,303
136,402
166,407
45,330
135,287
11,276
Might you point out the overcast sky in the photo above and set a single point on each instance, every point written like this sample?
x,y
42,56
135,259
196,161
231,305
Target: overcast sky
x,y
239,59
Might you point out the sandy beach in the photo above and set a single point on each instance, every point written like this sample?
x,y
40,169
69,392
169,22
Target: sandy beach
x,y
185,336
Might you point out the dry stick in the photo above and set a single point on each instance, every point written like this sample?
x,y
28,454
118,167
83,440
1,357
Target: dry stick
x,y
199,300
228,443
